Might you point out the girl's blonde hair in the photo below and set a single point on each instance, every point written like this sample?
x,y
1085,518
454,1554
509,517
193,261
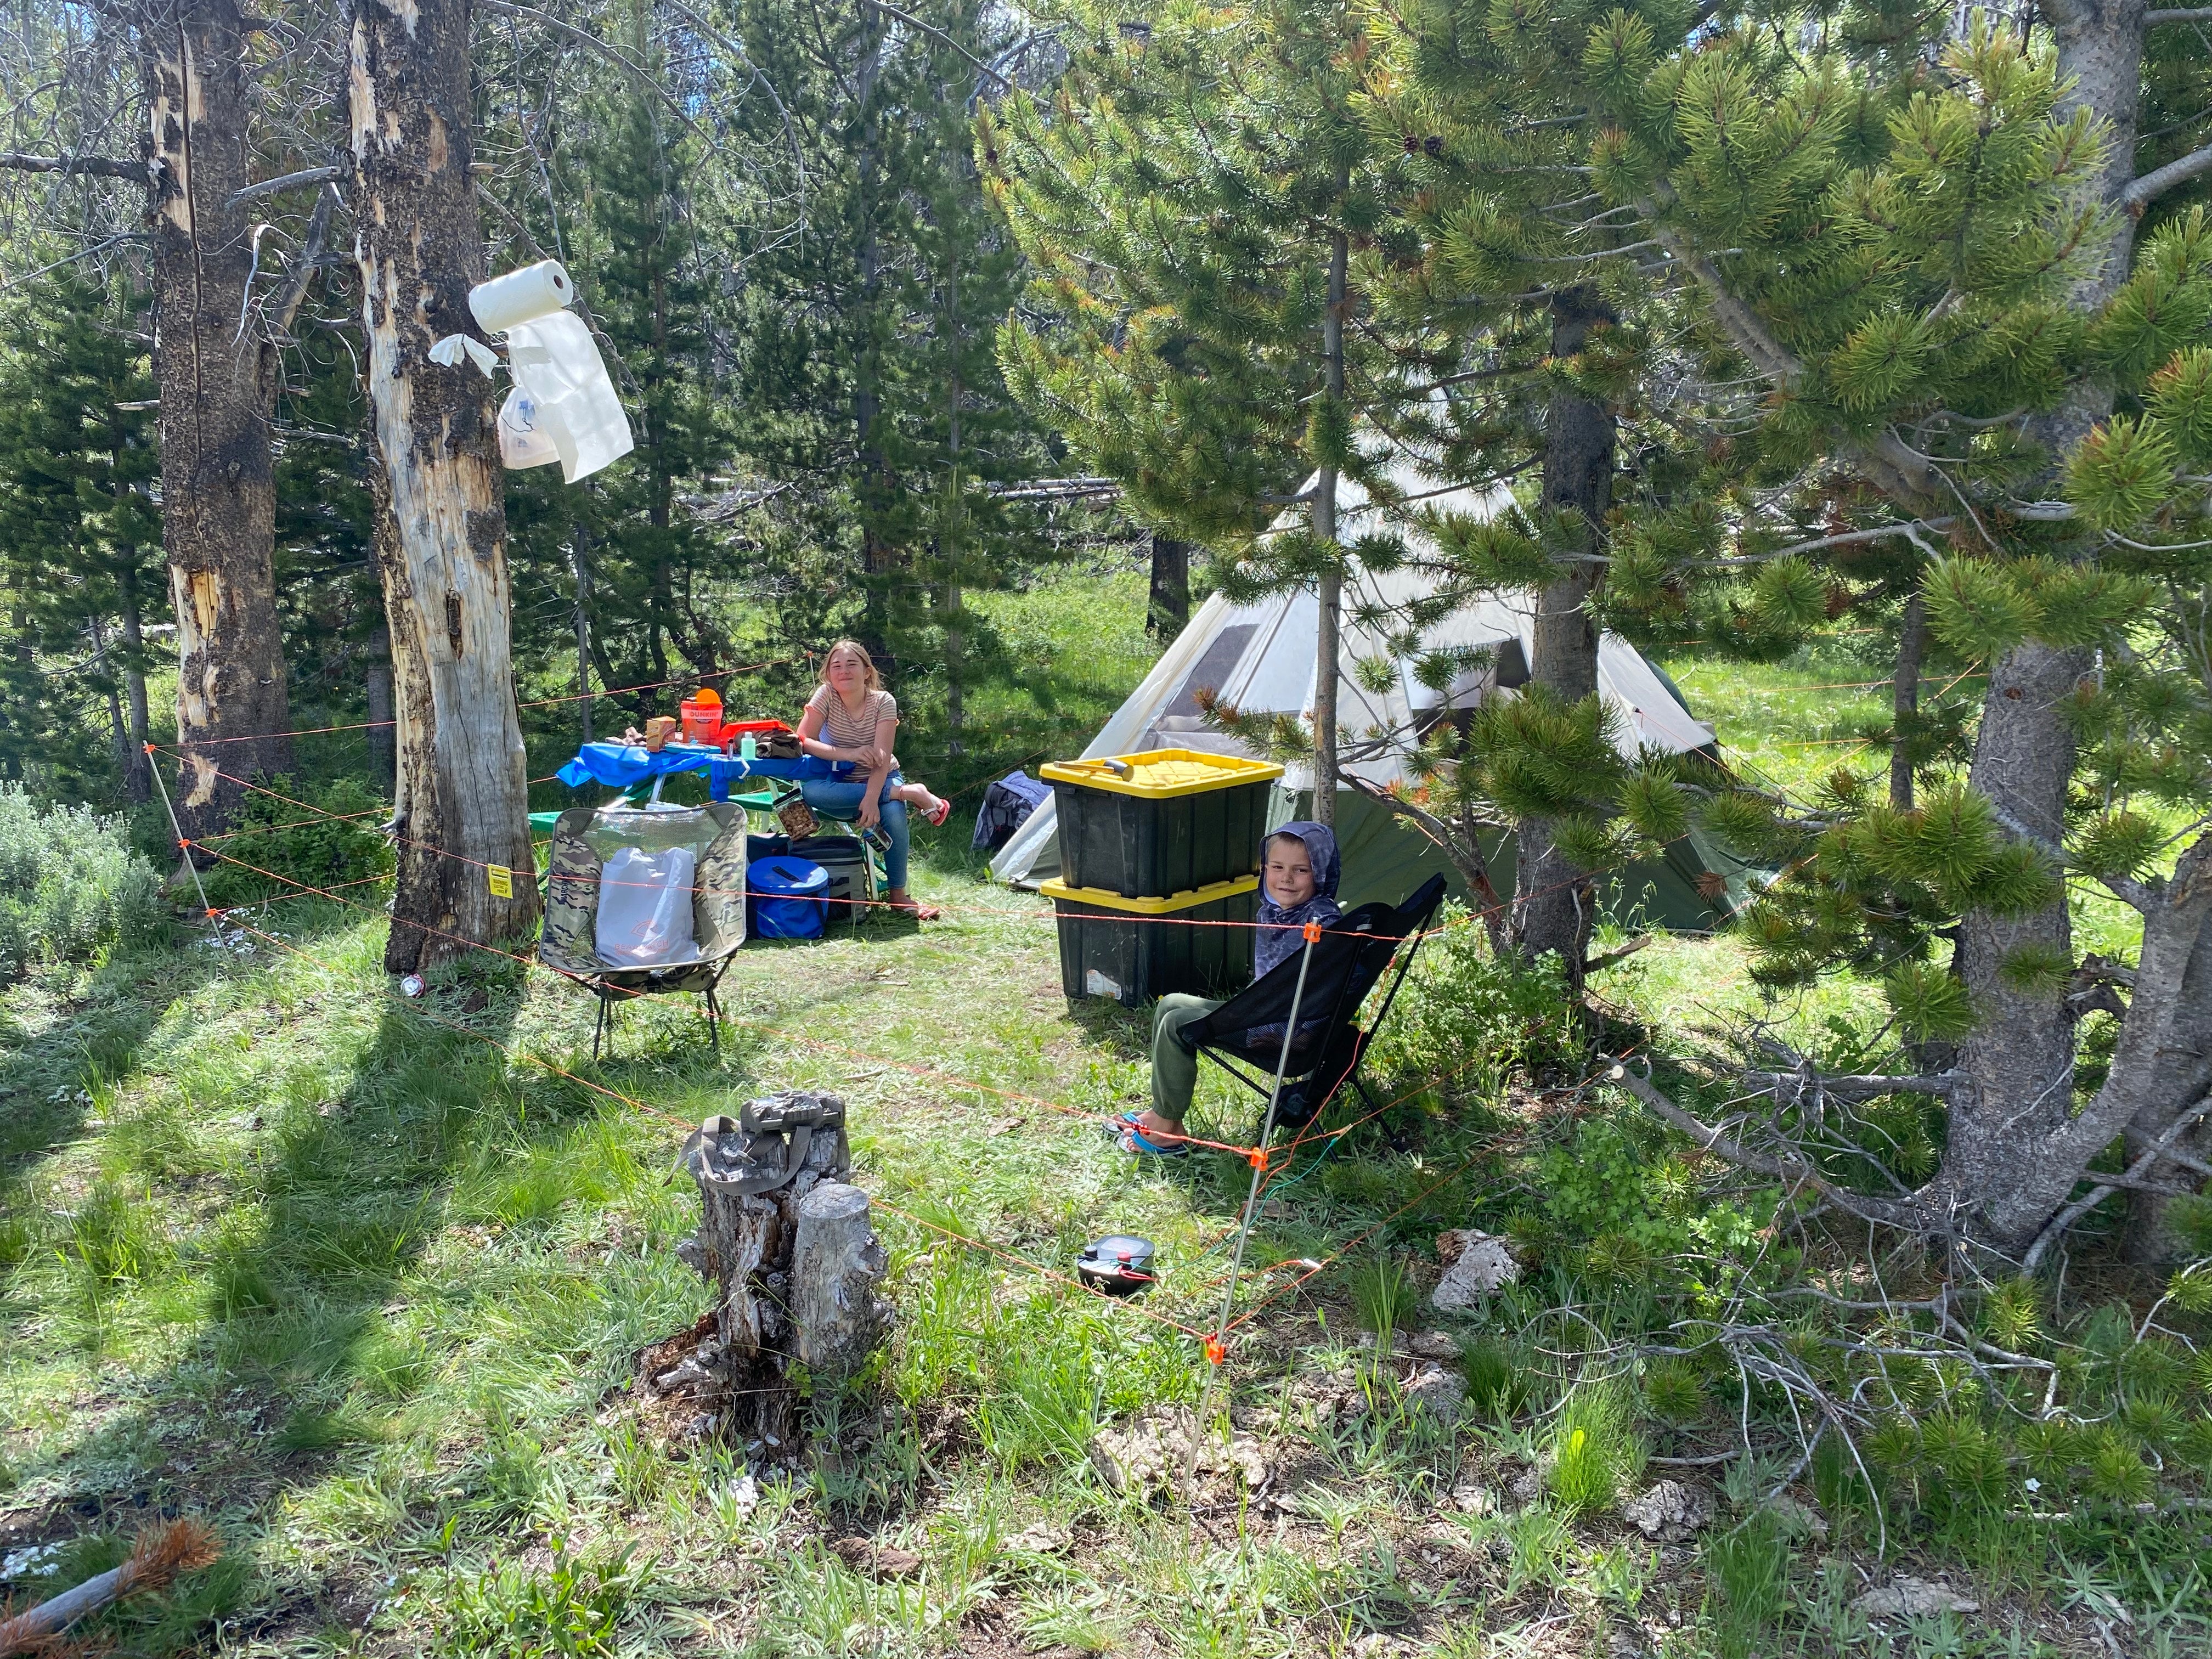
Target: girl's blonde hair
x,y
875,681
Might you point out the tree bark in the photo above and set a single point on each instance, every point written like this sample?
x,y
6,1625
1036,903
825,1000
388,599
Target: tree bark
x,y
462,792
580,564
1904,699
837,1267
769,1309
218,489
1554,899
136,781
376,689
1167,607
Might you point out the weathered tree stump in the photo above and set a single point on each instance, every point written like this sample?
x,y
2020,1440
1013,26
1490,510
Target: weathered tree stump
x,y
837,1264
786,1246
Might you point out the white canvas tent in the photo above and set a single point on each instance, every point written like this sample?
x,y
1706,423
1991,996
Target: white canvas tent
x,y
1261,658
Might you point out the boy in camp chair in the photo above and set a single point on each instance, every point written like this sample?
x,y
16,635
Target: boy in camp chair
x,y
1299,872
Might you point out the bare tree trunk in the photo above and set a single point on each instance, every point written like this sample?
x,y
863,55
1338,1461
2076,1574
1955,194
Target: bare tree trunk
x,y
463,798
218,491
376,688
1904,699
1330,591
1554,899
1167,607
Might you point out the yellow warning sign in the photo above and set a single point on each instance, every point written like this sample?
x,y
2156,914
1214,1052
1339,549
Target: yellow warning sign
x,y
501,879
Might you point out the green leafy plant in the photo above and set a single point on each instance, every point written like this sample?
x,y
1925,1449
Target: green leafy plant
x,y
1593,1453
1748,1576
324,837
570,1611
1384,1298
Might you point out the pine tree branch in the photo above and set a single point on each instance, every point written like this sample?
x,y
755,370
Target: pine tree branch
x,y
2089,1201
1897,468
1850,1085
1794,1169
2181,15
104,167
318,227
2152,185
1844,540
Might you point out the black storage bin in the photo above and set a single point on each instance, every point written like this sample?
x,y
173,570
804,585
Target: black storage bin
x,y
1165,821
1136,950
845,859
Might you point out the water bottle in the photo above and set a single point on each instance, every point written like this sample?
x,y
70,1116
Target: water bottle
x,y
746,748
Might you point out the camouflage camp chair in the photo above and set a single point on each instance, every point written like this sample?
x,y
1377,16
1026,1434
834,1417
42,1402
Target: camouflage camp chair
x,y
569,946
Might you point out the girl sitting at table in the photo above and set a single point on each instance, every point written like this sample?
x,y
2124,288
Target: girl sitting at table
x,y
851,717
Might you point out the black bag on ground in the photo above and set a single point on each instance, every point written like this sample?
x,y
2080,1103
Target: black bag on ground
x,y
1006,806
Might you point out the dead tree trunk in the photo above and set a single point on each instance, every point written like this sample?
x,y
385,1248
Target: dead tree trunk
x,y
461,791
795,1268
218,379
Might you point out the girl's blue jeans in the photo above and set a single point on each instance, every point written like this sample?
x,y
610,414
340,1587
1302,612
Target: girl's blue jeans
x,y
842,801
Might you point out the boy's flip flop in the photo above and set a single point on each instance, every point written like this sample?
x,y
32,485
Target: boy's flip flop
x,y
1129,1135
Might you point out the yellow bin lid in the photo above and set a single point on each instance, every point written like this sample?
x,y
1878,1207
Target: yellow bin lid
x,y
1107,900
1158,774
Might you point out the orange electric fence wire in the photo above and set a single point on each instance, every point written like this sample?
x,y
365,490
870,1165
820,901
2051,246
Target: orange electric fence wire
x,y
535,702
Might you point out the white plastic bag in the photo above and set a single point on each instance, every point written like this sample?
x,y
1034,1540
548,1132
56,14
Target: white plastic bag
x,y
645,908
523,440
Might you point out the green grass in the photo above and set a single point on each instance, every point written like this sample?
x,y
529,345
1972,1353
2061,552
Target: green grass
x,y
277,1249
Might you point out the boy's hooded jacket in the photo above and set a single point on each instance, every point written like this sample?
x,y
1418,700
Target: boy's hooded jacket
x,y
1278,937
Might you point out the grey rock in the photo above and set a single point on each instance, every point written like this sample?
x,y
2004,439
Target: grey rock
x,y
1670,1512
1435,1345
1475,1265
1433,1389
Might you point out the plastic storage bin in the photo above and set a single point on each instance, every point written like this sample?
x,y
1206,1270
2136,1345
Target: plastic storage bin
x,y
845,859
784,897
1136,950
1165,821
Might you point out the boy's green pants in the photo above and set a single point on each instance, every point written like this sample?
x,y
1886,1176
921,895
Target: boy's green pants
x,y
1175,1068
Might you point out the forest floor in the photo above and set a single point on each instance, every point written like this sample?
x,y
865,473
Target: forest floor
x,y
364,1283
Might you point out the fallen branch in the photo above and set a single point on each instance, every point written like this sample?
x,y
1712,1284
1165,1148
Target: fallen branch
x,y
1791,1168
2089,1201
160,1555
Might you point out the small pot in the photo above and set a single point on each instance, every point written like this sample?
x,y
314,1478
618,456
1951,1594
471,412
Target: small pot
x,y
1117,1266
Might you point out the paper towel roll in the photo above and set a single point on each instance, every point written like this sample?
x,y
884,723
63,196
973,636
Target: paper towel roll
x,y
534,291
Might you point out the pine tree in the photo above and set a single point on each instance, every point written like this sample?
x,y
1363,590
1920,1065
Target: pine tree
x,y
653,572
1191,196
1918,245
79,534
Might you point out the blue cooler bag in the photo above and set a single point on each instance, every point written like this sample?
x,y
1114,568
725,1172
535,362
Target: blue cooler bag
x,y
786,897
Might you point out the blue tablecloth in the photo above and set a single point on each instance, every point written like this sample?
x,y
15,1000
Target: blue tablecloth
x,y
624,766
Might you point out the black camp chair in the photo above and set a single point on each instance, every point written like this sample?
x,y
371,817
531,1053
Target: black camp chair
x,y
1349,960
572,905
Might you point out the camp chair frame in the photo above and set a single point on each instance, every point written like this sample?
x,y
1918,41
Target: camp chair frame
x,y
569,945
1353,955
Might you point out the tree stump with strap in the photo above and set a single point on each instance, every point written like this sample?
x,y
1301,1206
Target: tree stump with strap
x,y
786,1244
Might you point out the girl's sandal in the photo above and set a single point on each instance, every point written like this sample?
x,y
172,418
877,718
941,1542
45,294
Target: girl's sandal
x,y
1129,1134
938,813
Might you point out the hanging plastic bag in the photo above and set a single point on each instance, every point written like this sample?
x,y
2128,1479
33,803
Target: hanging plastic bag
x,y
523,440
556,366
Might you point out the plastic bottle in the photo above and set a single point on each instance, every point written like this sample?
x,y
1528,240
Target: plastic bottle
x,y
747,748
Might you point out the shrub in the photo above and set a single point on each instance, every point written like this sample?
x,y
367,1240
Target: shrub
x,y
322,837
1466,1018
1383,1299
69,884
1748,1570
